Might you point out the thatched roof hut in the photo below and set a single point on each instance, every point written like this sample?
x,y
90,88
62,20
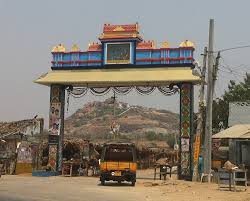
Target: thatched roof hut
x,y
25,127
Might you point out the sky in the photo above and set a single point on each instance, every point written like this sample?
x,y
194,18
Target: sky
x,y
30,28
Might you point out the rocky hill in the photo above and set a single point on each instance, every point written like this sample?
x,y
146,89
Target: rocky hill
x,y
94,120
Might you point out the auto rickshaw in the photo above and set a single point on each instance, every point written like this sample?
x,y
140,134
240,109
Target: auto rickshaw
x,y
118,163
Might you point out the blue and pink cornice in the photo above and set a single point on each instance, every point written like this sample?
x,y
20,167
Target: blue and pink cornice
x,y
145,53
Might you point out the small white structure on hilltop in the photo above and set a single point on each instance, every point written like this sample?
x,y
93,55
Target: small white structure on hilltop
x,y
120,106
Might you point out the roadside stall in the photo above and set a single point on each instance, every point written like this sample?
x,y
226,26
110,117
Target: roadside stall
x,y
75,157
236,140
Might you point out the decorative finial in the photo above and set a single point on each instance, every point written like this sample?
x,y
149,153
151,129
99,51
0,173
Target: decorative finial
x,y
165,44
137,26
75,48
153,44
55,49
187,43
61,48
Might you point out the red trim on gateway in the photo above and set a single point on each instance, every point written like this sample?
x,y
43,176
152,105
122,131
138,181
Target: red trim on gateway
x,y
79,61
160,49
86,52
89,61
165,59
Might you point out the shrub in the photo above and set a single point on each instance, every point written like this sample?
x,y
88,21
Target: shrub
x,y
150,135
77,124
171,140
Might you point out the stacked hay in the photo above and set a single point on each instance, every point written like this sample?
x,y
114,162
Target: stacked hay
x,y
17,127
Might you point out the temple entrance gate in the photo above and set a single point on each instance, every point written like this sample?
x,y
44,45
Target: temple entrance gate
x,y
122,61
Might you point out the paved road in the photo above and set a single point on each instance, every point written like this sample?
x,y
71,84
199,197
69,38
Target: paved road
x,y
27,188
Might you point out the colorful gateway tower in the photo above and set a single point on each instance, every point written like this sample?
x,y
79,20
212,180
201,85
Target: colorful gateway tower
x,y
122,44
121,61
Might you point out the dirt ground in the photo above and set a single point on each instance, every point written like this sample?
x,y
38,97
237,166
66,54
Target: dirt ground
x,y
28,188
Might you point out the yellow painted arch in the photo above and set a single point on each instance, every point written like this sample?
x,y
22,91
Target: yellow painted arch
x,y
119,77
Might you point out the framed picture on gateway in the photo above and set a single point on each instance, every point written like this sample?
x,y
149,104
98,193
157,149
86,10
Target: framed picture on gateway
x,y
118,53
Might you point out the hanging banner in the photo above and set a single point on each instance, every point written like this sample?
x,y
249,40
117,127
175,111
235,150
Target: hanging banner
x,y
197,148
54,122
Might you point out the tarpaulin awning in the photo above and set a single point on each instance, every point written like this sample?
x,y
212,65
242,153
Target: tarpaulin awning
x,y
119,77
239,131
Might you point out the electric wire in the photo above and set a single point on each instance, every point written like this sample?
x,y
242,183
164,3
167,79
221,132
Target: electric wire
x,y
232,71
233,76
233,48
230,68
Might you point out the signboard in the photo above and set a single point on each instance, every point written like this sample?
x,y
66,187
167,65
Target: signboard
x,y
216,144
53,139
118,53
239,113
36,127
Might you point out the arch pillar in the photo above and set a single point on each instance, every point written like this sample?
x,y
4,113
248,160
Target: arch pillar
x,y
186,131
56,127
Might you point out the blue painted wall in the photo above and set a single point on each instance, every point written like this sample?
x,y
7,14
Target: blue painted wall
x,y
181,55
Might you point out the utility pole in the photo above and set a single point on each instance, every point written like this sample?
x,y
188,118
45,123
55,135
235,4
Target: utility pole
x,y
200,120
113,124
209,106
